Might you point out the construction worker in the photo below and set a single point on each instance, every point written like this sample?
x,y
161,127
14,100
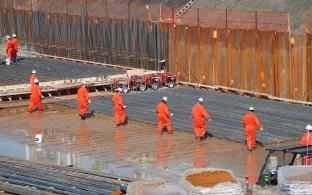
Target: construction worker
x,y
8,50
35,97
307,140
32,77
15,47
250,123
119,108
83,100
199,114
163,116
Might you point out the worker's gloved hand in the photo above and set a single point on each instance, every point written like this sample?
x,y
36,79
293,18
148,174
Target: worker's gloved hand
x,y
42,97
209,121
261,129
89,101
171,114
124,106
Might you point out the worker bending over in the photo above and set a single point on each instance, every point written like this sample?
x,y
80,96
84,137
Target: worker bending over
x,y
119,108
15,47
307,140
35,97
163,116
9,47
199,114
250,123
32,77
83,100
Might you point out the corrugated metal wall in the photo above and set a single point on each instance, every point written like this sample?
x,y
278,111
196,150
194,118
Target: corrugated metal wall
x,y
245,50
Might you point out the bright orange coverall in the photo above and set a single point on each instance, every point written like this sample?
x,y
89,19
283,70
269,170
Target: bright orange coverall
x,y
307,140
35,98
83,101
250,122
15,47
32,79
120,111
163,117
199,114
9,47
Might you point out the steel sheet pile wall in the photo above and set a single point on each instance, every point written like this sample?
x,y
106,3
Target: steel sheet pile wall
x,y
123,34
245,50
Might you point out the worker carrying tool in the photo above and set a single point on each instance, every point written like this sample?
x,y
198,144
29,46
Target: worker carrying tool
x,y
83,100
35,97
163,116
32,77
15,47
307,140
119,108
250,123
8,50
200,114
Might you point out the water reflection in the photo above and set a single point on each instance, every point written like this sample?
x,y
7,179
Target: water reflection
x,y
251,168
200,159
119,143
164,150
84,136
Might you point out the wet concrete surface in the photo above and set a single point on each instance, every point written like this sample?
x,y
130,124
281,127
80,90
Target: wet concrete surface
x,y
134,150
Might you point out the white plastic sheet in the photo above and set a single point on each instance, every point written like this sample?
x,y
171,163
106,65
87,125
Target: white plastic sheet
x,y
295,180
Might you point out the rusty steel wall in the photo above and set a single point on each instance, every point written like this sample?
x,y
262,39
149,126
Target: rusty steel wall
x,y
273,63
245,50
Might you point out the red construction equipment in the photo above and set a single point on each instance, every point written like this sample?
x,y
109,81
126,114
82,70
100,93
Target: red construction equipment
x,y
168,79
153,81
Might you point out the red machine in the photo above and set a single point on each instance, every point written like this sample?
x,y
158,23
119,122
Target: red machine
x,y
153,81
168,79
137,83
122,83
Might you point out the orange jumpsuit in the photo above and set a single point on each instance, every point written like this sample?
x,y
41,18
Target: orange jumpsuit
x,y
120,111
9,47
250,122
307,140
32,79
199,114
83,101
35,98
163,117
15,48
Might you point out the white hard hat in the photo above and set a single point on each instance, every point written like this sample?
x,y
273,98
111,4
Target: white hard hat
x,y
36,81
165,99
118,89
251,109
84,82
14,35
200,99
309,127
8,37
34,72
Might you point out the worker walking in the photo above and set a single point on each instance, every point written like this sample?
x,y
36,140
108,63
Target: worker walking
x,y
250,123
199,114
8,50
119,108
35,97
83,100
15,47
163,116
307,140
32,77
